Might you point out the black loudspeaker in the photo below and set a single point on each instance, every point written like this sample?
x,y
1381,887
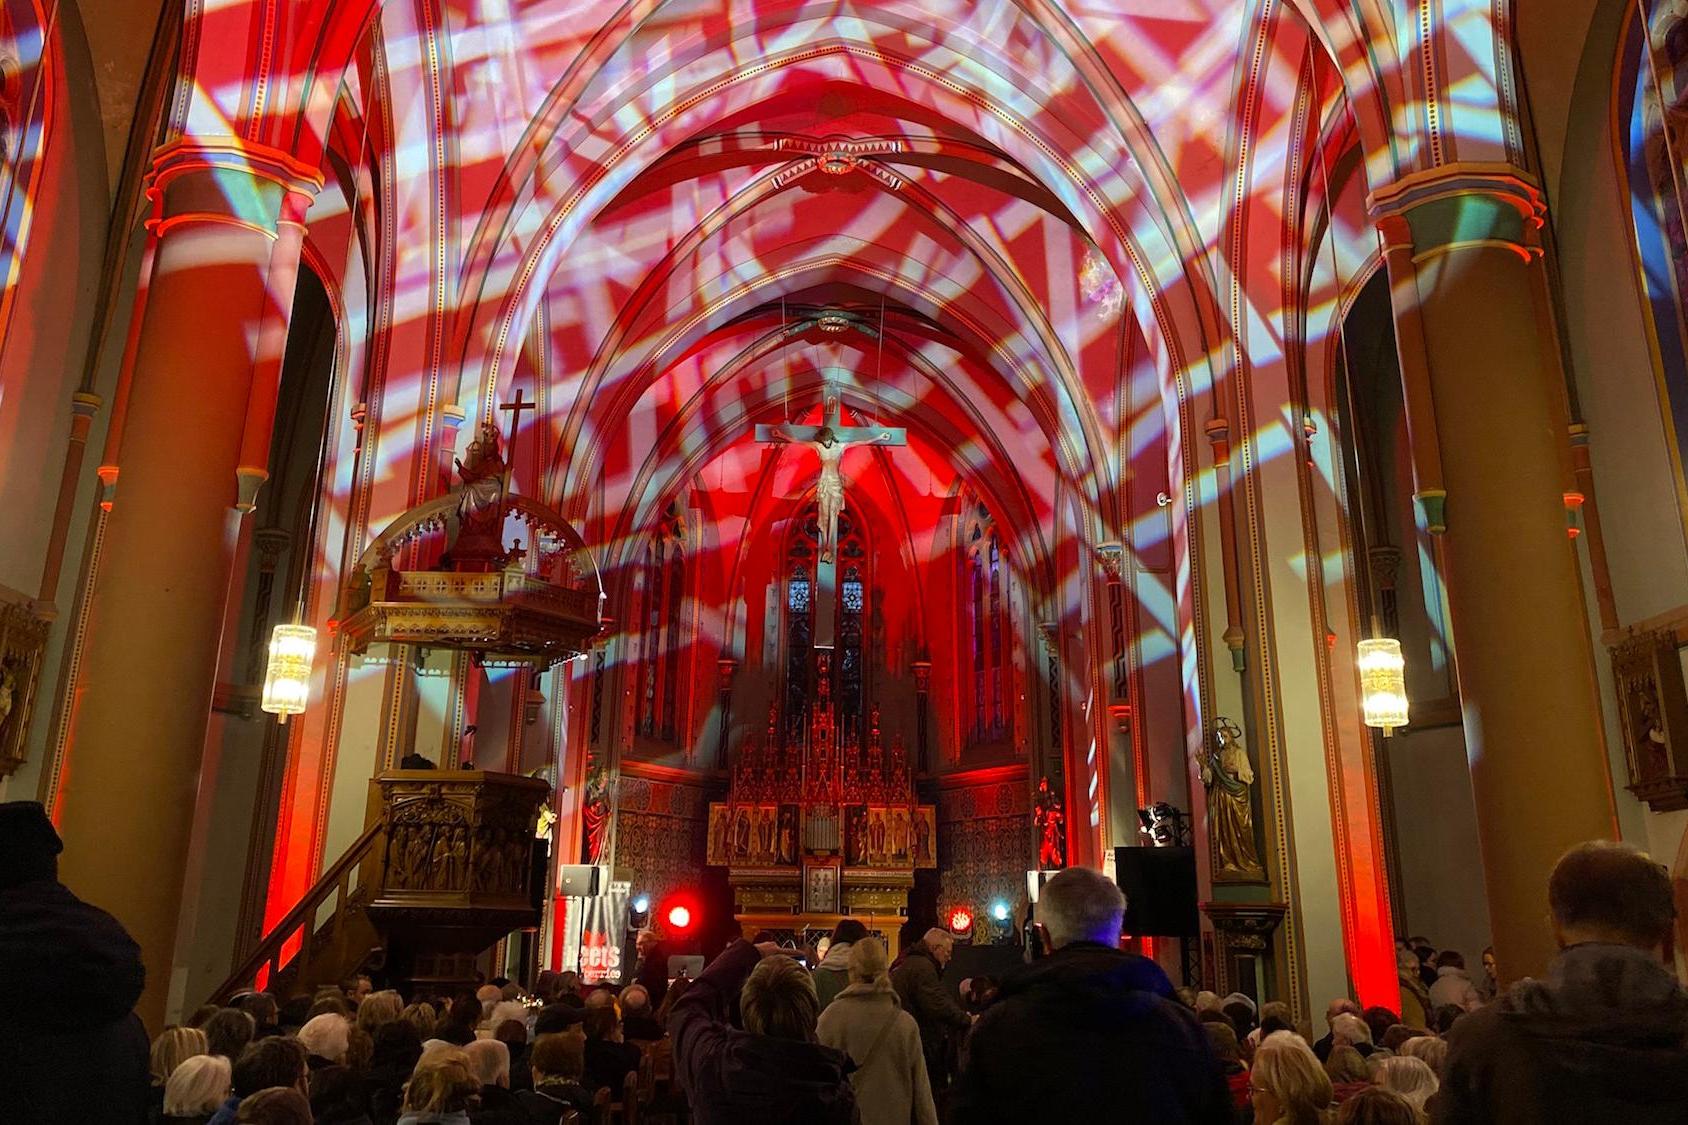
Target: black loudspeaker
x,y
577,880
1160,891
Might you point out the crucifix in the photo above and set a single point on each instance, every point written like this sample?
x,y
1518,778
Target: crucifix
x,y
829,440
515,408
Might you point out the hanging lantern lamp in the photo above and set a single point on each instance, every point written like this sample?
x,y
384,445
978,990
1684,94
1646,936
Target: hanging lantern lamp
x,y
287,679
1383,683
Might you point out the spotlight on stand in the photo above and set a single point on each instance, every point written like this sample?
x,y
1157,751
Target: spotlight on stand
x,y
679,918
1163,826
961,923
999,911
639,912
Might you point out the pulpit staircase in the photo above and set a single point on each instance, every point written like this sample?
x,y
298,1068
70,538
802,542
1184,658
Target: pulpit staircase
x,y
444,869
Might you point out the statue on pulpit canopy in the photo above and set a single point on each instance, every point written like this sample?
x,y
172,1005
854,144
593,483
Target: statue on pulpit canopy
x,y
475,529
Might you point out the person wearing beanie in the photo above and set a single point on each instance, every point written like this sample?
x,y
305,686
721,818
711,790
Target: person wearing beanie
x,y
69,979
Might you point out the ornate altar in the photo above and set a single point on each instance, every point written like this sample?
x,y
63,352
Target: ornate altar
x,y
456,573
813,831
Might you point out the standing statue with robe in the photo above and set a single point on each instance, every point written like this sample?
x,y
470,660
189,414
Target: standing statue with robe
x,y
1225,771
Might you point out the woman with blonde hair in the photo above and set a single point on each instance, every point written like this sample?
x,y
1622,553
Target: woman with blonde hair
x,y
1432,1050
1409,1077
379,1008
441,1090
172,1048
424,1017
866,1021
1290,1087
197,1089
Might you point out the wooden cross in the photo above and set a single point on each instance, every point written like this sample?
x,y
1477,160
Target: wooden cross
x,y
829,440
515,409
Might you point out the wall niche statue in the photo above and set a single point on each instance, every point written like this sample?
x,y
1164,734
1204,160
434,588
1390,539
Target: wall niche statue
x,y
1225,771
1653,715
23,640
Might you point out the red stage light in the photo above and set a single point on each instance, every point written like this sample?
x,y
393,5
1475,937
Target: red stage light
x,y
960,920
679,917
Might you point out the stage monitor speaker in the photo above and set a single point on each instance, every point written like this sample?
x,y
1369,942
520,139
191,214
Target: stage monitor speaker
x,y
1160,891
577,880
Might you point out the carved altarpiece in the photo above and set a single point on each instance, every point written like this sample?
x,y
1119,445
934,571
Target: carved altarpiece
x,y
23,644
1653,716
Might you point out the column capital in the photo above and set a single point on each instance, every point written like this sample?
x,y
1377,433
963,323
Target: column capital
x,y
1460,206
229,181
1112,558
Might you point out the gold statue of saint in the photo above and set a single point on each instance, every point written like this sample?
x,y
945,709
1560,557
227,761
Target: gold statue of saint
x,y
1226,773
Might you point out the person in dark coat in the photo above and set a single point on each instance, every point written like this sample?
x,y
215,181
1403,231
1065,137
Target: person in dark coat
x,y
559,1062
771,1071
1604,1035
608,1059
69,979
652,968
398,1045
1089,1031
917,979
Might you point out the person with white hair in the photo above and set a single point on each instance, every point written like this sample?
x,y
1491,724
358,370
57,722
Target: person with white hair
x,y
325,1037
489,1062
865,1020
196,1088
1351,1031
1089,1032
936,1010
1409,1077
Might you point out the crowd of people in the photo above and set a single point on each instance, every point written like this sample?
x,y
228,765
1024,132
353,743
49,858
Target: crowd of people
x,y
1086,1032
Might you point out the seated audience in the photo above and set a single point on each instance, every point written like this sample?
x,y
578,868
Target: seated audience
x,y
866,1022
608,1059
201,1014
197,1089
397,1048
1347,1071
638,1015
772,1069
1242,1014
1377,1106
379,1009
1095,1025
1415,998
276,1061
1442,1019
1290,1087
355,987
1223,1037
1409,1077
265,1013
1603,1036
442,1089
832,974
490,1061
568,989
69,979
458,1026
1398,1035
559,1062
173,1047
337,1097
1343,1006
514,1035
1488,982
1379,1019
1453,984
558,1017
324,1038
228,1032
275,1107
1351,1031
1431,1049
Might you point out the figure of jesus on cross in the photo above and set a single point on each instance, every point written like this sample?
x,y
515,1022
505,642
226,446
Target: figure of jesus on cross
x,y
830,440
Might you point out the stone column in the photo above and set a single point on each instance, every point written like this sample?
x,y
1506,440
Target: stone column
x,y
1487,412
155,627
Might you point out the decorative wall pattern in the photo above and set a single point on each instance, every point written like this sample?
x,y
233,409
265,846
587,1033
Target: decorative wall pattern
x,y
985,847
659,834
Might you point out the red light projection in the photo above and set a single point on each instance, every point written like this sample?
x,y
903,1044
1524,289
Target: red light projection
x,y
1072,249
